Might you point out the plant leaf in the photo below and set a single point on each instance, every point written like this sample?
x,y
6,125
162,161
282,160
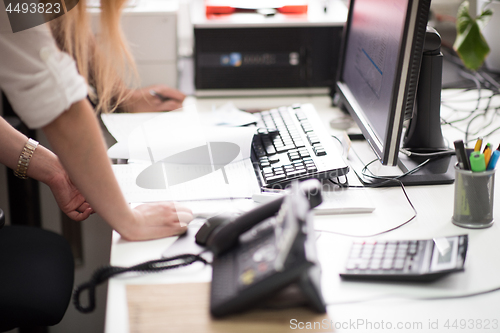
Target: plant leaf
x,y
463,17
484,18
470,43
472,47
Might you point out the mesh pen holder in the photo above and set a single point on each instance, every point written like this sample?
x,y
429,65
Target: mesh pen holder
x,y
473,201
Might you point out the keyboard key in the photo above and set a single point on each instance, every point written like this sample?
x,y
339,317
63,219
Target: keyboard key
x,y
286,148
304,153
259,151
263,131
307,128
387,264
319,151
375,264
267,170
275,178
399,264
270,150
312,138
274,159
311,169
412,248
300,115
401,253
363,265
295,173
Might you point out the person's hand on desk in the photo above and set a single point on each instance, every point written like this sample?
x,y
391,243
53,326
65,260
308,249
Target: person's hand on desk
x,y
153,99
158,220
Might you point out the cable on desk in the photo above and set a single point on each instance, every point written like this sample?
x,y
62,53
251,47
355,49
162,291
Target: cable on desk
x,y
482,79
441,153
385,180
104,273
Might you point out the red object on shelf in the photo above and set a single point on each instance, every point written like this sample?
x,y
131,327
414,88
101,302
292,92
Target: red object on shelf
x,y
227,9
220,10
300,9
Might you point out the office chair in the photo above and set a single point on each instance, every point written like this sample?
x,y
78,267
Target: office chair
x,y
36,277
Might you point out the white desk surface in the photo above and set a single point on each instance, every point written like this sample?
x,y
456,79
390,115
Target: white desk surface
x,y
359,306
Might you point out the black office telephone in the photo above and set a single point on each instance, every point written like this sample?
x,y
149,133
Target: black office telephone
x,y
265,252
256,255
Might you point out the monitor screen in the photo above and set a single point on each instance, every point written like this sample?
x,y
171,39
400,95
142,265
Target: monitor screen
x,y
383,45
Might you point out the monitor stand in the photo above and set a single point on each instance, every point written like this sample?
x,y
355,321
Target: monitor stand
x,y
424,130
438,171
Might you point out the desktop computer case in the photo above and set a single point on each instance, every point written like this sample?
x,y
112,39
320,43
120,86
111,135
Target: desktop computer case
x,y
282,55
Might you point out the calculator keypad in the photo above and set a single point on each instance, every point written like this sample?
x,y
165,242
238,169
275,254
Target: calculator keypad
x,y
385,257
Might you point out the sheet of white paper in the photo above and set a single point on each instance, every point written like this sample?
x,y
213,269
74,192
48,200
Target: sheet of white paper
x,y
241,183
182,135
120,125
227,115
177,131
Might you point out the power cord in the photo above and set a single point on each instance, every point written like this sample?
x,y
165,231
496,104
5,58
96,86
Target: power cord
x,y
385,231
104,273
441,153
384,181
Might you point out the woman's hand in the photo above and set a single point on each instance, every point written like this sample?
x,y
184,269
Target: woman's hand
x,y
157,220
153,99
68,198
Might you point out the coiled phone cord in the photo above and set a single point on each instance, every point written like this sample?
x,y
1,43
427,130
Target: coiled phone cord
x,y
104,273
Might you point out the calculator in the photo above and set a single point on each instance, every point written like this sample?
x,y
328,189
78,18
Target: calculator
x,y
406,260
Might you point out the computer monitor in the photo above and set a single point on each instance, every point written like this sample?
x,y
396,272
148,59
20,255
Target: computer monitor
x,y
390,82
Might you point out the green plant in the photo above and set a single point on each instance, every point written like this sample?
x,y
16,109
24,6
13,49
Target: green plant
x,y
470,43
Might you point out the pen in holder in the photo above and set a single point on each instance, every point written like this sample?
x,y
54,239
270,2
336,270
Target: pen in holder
x,y
473,203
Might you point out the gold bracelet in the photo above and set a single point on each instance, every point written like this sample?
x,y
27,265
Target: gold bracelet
x,y
24,158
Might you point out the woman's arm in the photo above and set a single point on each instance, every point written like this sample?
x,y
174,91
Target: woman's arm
x,y
163,98
45,167
77,139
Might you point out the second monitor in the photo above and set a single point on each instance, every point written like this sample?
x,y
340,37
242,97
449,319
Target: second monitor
x,y
390,72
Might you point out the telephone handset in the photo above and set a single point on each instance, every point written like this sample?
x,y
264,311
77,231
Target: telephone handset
x,y
220,233
267,251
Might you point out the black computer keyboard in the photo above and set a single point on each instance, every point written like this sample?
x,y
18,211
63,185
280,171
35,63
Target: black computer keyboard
x,y
293,143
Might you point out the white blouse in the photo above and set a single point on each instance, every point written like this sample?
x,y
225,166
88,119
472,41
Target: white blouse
x,y
39,80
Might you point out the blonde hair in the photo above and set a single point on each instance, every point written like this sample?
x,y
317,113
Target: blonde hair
x,y
103,60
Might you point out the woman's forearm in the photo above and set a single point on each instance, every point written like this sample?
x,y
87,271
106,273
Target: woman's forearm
x,y
11,143
43,166
76,138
